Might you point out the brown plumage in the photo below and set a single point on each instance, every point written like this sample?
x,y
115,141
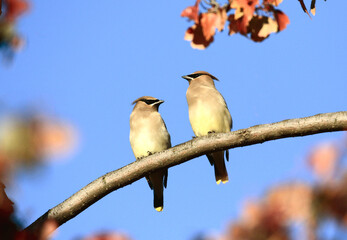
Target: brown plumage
x,y
208,113
148,135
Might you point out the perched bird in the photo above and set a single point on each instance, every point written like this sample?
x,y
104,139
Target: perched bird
x,y
148,135
208,113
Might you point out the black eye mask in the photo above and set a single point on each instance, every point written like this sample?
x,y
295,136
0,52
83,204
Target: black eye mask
x,y
195,75
150,102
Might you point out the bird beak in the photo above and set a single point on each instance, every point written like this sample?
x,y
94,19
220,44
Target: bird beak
x,y
159,102
186,77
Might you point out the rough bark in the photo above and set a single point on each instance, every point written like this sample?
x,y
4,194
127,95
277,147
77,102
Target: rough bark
x,y
71,207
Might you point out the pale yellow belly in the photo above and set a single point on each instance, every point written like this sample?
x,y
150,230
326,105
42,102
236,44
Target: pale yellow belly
x,y
204,120
145,142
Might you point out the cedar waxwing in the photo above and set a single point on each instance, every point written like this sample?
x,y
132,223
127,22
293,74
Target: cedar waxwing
x,y
148,135
208,113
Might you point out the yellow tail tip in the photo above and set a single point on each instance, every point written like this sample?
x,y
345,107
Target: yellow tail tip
x,y
159,209
223,181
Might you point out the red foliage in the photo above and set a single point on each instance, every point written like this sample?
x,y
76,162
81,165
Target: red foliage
x,y
249,18
323,160
15,8
202,32
195,35
192,12
208,21
282,19
261,27
244,9
272,2
234,24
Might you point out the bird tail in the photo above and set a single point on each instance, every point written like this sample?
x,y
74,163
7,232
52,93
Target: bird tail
x,y
158,200
220,170
156,179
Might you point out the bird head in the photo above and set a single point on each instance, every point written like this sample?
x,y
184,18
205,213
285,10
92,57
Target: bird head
x,y
199,75
147,102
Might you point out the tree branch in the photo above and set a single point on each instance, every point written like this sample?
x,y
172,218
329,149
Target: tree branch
x,y
71,207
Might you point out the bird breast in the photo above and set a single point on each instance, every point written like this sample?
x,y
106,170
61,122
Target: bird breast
x,y
148,134
208,111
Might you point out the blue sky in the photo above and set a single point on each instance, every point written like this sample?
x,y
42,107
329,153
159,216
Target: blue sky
x,y
87,61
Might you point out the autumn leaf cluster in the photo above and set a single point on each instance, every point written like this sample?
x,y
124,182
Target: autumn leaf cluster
x,y
251,18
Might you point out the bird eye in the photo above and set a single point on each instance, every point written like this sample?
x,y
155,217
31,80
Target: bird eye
x,y
150,102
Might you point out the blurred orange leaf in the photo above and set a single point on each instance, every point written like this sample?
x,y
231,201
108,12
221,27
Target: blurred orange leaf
x,y
244,8
108,236
259,221
53,137
221,19
260,27
282,19
208,23
251,213
234,24
293,200
272,2
323,160
15,8
202,32
195,35
268,27
48,229
28,140
192,12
